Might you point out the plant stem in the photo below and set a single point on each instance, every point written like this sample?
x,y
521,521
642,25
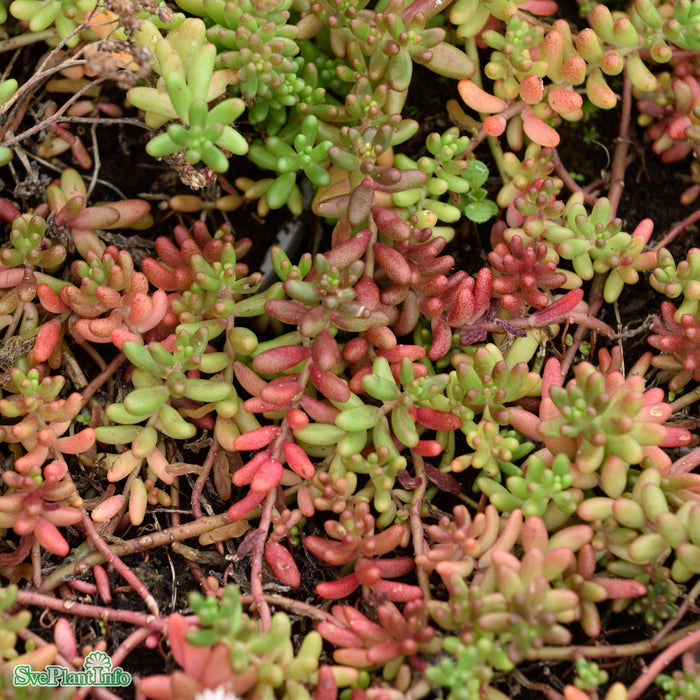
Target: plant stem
x,y
89,391
139,544
36,562
596,301
685,400
257,567
20,553
682,610
202,478
304,609
661,661
646,646
417,522
677,230
619,163
569,181
685,464
138,619
45,123
130,643
17,42
111,558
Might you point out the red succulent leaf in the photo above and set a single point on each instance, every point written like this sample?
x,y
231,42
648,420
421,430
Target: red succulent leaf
x,y
349,251
298,461
46,339
397,268
340,588
280,359
258,438
282,564
240,509
438,420
557,309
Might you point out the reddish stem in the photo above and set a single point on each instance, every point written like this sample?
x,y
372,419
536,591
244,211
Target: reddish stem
x,y
175,520
111,558
139,544
569,181
682,610
256,569
677,230
96,357
129,644
684,464
202,479
20,554
596,301
70,607
13,140
417,521
660,663
310,611
619,164
36,563
89,391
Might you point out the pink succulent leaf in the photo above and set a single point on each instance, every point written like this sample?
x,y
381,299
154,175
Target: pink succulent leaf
x,y
78,443
495,125
130,211
398,592
442,339
326,686
620,587
557,309
676,437
49,537
393,263
339,636
11,277
539,131
531,89
282,564
240,509
564,101
267,477
340,588
256,439
50,300
8,211
360,202
119,335
281,393
539,7
298,461
46,340
64,637
280,359
72,207
479,99
93,217
245,474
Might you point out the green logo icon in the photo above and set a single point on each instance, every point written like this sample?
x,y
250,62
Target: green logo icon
x,y
97,671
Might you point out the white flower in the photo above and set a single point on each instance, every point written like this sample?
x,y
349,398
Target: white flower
x,y
219,693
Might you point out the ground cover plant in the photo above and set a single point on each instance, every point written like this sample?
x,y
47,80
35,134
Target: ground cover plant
x,y
350,349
